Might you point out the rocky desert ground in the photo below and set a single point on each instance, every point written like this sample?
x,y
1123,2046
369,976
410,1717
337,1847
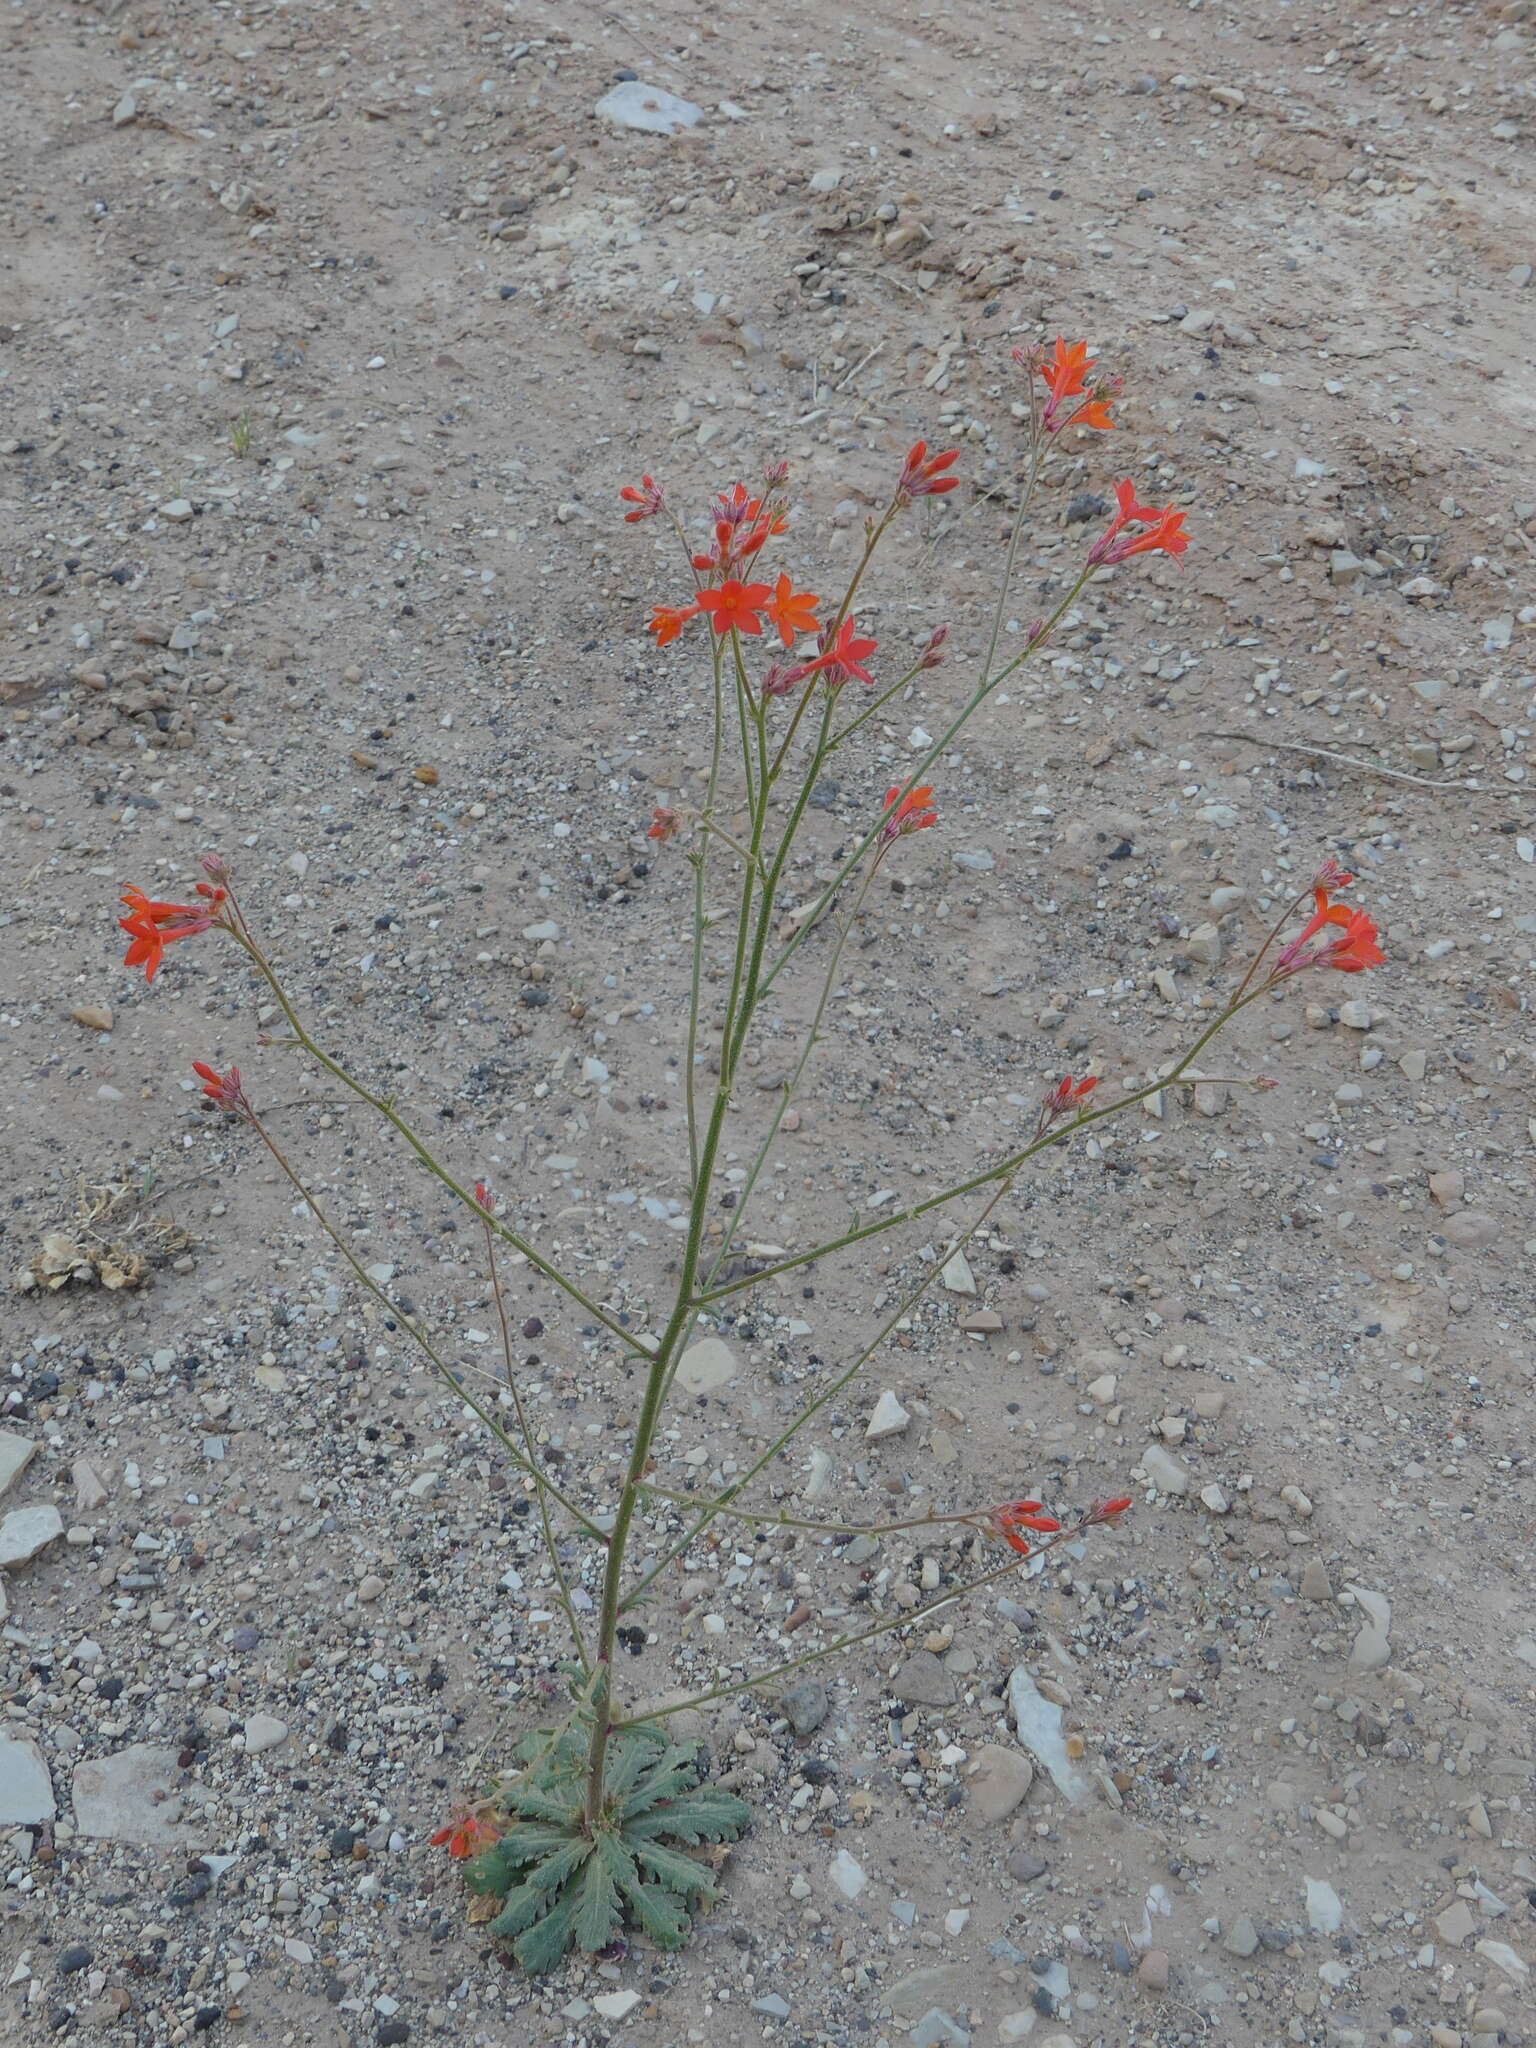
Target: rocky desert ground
x,y
328,334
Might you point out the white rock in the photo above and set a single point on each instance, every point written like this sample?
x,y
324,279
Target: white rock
x,y
26,1788
1213,1499
706,1365
1164,1470
888,1419
615,2005
1371,1649
178,509
90,1488
15,1455
848,1876
1325,1911
26,1531
957,1276
136,1796
545,929
1504,1958
647,108
262,1732
1038,1721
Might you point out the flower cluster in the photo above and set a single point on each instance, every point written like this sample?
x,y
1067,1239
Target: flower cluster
x,y
1355,950
1065,373
1162,530
152,926
907,811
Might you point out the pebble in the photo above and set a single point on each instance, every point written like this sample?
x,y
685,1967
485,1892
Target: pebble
x,y
805,1705
999,1781
1038,1721
26,1785
91,1490
1325,1911
888,1418
26,1531
1152,1970
848,1876
1213,1499
1371,1649
75,1958
705,1366
1314,1581
957,1276
178,509
264,1732
922,1681
936,2029
16,1453
770,2004
1164,1470
648,109
615,2005
1470,1229
1241,1938
1025,1865
92,1016
371,1587
1456,1924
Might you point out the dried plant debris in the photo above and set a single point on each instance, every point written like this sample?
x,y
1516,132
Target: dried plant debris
x,y
112,1238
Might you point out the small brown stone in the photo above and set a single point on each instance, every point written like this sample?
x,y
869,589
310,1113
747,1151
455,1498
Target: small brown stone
x,y
426,773
92,1016
1152,1970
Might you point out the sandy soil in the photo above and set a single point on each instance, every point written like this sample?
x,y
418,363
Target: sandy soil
x,y
327,334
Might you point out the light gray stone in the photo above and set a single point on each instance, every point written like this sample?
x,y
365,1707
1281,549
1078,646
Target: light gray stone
x,y
937,2030
888,1418
704,1366
138,1796
26,1786
647,108
1164,1470
16,1454
922,1681
805,1705
848,1875
944,1985
263,1732
1000,1781
26,1531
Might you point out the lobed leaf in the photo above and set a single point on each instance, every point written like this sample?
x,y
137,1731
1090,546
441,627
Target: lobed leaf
x,y
597,1909
548,1939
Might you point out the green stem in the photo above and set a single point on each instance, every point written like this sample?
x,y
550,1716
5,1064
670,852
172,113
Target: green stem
x,y
1010,1165
414,1332
525,1430
778,1521
880,1628
700,868
440,1173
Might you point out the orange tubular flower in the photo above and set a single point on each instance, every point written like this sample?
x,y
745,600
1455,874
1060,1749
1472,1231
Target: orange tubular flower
x,y
1067,1094
647,497
1066,377
735,606
668,620
792,611
922,474
842,659
1164,530
151,926
224,1089
664,822
1006,1521
467,1833
914,812
1353,952
1357,949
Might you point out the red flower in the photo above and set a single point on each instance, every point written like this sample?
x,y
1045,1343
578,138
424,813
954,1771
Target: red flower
x,y
664,822
484,1199
735,606
668,620
1066,377
1006,1521
932,655
468,1831
1067,1094
1357,949
648,498
151,926
913,812
224,1089
1165,530
1106,1510
1352,953
842,659
922,474
792,611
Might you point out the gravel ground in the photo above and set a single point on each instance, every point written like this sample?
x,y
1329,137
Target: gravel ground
x,y
327,334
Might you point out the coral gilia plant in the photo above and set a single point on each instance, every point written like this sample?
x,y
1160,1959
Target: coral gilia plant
x,y
591,1828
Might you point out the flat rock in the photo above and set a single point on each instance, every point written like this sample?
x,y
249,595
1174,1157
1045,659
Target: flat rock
x,y
944,1985
1164,1470
138,1796
705,1366
957,1275
615,2005
1025,1865
1152,1970
26,1786
998,1784
922,1681
1470,1228
16,1453
1038,1721
91,1490
1241,1938
847,1874
936,2029
1456,1924
888,1418
1371,1649
647,108
26,1531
